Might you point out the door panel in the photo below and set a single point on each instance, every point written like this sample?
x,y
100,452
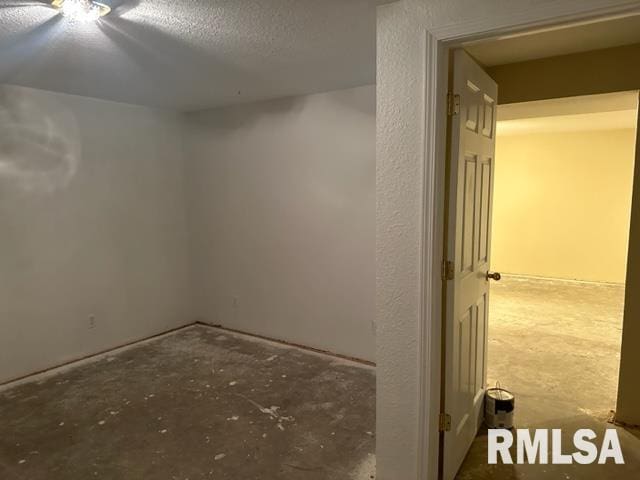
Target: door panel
x,y
484,203
469,248
468,215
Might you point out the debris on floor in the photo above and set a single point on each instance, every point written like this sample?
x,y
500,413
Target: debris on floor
x,y
196,401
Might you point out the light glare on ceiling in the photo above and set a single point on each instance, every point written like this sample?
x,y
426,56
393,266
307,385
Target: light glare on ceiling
x,y
82,10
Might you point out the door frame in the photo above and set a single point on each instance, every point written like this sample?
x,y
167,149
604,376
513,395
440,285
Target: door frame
x,y
438,43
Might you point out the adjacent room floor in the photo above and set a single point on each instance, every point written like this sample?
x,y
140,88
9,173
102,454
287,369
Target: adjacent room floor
x,y
556,345
197,403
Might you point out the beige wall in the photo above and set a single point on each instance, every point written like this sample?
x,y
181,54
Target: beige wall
x,y
562,204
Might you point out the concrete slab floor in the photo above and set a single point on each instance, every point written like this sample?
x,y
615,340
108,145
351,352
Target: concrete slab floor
x,y
197,403
556,345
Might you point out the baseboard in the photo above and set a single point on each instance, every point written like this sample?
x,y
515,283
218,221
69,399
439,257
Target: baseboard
x,y
287,343
28,377
51,370
556,279
619,423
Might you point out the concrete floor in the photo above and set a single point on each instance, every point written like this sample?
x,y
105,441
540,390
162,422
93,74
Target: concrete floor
x,y
198,403
556,346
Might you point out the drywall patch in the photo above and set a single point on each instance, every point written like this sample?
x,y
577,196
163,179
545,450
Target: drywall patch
x,y
40,142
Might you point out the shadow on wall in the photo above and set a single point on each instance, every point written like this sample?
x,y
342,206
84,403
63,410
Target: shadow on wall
x,y
40,142
239,116
235,117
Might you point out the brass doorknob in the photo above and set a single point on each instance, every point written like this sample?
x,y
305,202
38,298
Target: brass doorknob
x,y
494,276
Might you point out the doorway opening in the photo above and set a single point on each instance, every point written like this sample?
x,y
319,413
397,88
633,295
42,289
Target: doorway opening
x,y
561,211
540,182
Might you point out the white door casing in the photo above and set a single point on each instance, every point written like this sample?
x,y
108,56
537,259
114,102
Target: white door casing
x,y
468,249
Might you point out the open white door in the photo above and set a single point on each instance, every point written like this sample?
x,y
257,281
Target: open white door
x,y
468,250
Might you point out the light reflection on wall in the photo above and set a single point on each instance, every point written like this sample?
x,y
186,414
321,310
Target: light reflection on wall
x,y
40,142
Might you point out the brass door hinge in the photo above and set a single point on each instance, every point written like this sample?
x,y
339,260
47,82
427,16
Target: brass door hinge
x,y
447,270
444,423
453,104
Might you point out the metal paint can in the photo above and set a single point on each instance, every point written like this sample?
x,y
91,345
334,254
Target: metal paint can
x,y
499,408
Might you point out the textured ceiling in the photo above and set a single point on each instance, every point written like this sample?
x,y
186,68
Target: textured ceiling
x,y
191,54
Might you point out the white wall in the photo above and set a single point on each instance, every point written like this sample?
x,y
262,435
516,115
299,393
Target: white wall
x,y
399,177
282,208
93,222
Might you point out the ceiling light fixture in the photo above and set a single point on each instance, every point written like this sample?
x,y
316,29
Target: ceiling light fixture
x,y
81,10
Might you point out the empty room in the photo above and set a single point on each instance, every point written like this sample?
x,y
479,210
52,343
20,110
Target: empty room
x,y
319,239
187,213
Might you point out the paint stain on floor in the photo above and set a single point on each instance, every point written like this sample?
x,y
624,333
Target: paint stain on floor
x,y
193,404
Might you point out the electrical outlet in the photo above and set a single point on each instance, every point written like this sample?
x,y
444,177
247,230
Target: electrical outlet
x,y
92,321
